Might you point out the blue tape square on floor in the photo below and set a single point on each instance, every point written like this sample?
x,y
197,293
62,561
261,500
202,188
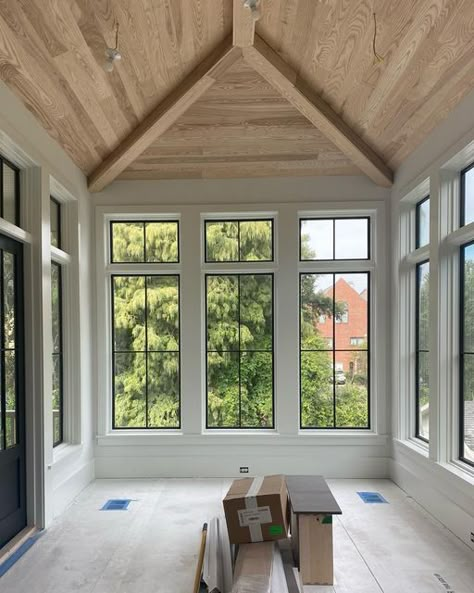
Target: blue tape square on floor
x,y
372,498
116,504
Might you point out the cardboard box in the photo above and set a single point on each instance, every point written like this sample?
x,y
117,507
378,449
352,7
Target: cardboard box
x,y
256,510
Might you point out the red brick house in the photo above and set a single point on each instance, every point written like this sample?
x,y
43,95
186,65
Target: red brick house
x,y
350,329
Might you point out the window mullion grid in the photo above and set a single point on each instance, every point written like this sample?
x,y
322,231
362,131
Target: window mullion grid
x,y
334,415
240,343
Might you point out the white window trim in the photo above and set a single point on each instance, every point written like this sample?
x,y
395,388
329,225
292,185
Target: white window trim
x,y
286,274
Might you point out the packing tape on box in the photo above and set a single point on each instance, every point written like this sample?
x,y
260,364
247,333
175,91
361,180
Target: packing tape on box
x,y
251,504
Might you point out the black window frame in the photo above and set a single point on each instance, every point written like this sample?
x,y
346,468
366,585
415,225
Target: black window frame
x,y
418,220
334,350
58,222
418,350
462,208
462,352
239,351
16,171
146,351
334,219
144,222
60,355
238,221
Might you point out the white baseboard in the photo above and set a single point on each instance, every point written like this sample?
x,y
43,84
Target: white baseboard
x,y
420,480
69,488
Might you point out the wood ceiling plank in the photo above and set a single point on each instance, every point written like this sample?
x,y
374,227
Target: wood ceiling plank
x,y
270,66
167,112
244,25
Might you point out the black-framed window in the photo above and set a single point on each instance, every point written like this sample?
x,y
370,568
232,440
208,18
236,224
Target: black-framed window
x,y
146,351
332,239
422,223
467,195
334,372
55,223
9,192
244,240
142,242
58,354
422,352
466,408
239,350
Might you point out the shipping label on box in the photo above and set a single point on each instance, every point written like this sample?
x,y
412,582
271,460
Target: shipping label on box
x,y
256,509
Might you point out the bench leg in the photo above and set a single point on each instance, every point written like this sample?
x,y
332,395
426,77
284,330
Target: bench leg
x,y
315,549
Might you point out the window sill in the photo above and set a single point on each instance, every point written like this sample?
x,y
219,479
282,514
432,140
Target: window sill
x,y
64,451
240,438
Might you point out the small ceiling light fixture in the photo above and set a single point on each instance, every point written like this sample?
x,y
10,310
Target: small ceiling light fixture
x,y
254,6
112,54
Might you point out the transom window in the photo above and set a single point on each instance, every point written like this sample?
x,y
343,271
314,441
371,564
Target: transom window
x,y
9,192
326,239
144,242
467,195
55,226
422,226
239,240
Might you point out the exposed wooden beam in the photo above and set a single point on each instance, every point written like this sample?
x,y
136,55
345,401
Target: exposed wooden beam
x,y
244,24
285,80
165,114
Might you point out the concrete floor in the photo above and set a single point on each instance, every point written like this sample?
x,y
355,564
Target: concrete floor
x,y
152,548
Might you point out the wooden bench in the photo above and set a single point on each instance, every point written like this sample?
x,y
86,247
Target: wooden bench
x,y
312,507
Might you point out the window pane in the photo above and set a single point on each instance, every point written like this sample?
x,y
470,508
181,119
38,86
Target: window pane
x,y
352,390
222,312
130,390
256,369
56,305
423,223
222,241
239,240
317,393
256,240
351,309
334,302
9,194
161,242
55,216
11,401
256,312
317,239
146,351
468,403
423,395
162,301
352,238
422,350
467,354
128,242
335,238
9,312
317,327
163,390
223,393
57,399
468,195
240,318
129,313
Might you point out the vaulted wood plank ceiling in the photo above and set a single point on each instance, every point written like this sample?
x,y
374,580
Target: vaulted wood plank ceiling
x,y
52,53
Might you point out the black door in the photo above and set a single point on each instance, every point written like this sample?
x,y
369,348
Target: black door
x,y
12,394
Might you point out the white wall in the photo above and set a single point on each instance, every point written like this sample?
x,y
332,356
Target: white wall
x,y
41,159
193,451
443,488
